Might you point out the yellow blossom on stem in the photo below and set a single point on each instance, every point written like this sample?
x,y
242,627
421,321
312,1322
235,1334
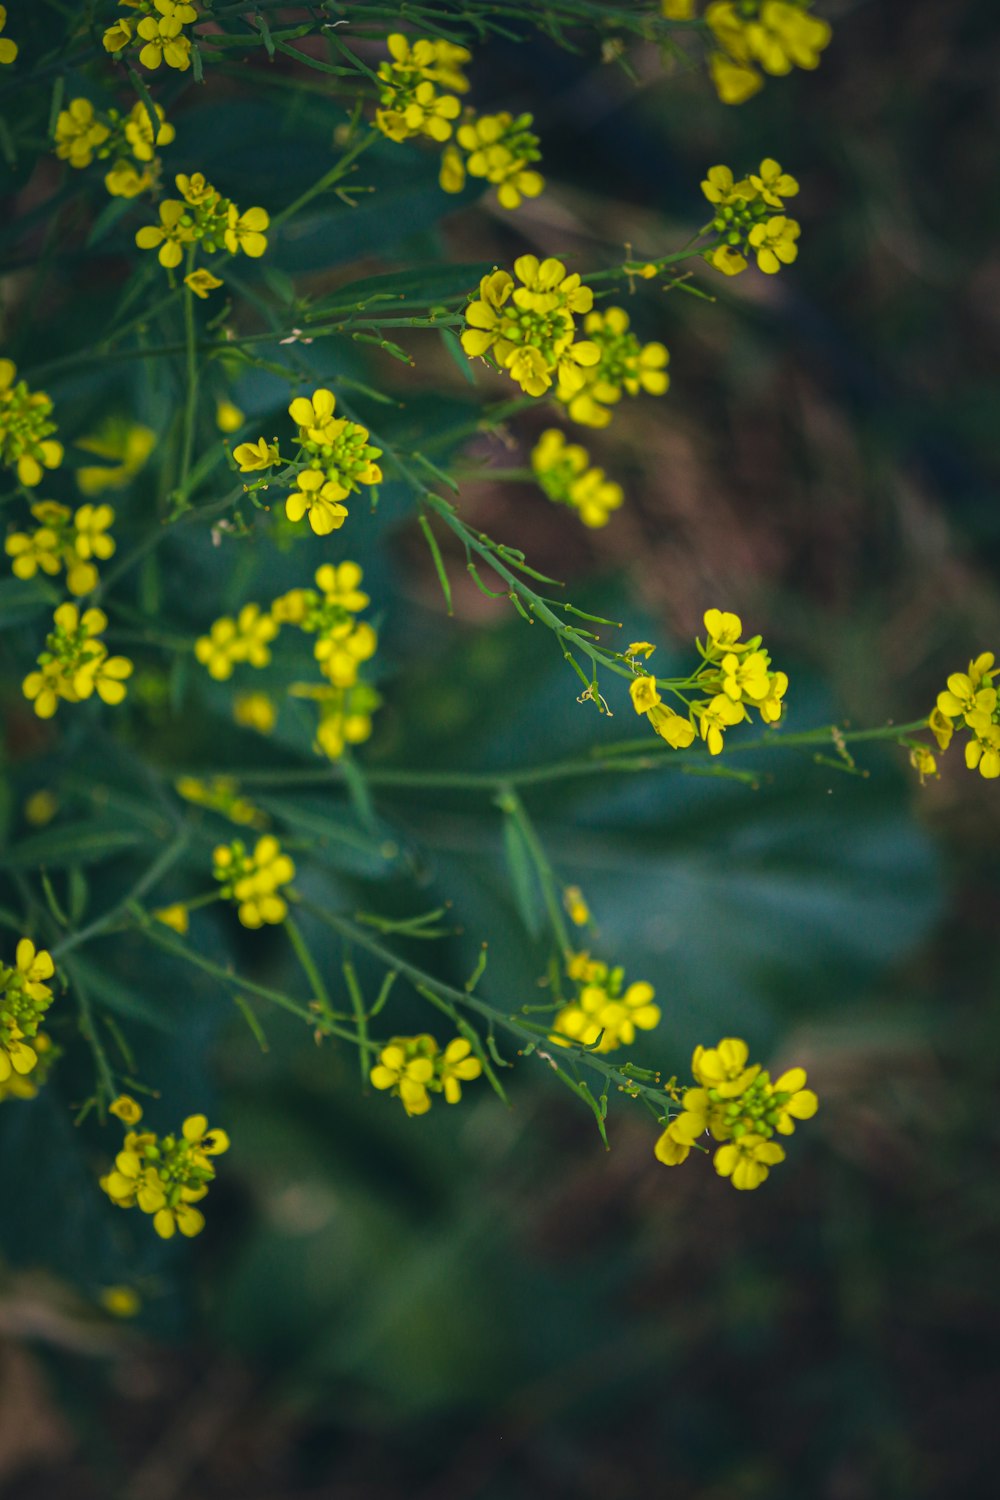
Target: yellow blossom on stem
x,y
565,475
229,642
255,711
605,1014
412,1068
165,1176
530,329
26,443
24,999
75,663
252,881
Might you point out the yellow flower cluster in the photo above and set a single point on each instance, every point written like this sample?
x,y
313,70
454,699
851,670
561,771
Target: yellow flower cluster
x,y
26,442
342,645
624,365
205,219
8,49
165,1176
255,711
24,999
127,444
775,35
735,677
741,1108
221,795
246,639
82,133
75,663
253,881
564,473
530,330
63,538
500,149
160,31
971,699
745,218
335,455
604,1015
411,104
414,1067
27,1086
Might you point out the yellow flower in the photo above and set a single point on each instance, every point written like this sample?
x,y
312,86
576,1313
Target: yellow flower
x,y
772,183
529,329
75,663
121,1301
678,10
202,282
409,98
79,132
942,728
171,234
139,131
319,498
258,455
724,1068
229,418
923,762
721,187
563,474
175,916
126,1109
406,1067
747,1161
644,694
117,37
8,49
164,1176
724,630
746,677
342,650
716,716
24,999
774,242
229,641
164,40
604,1015
670,726
124,181
255,711
252,881
735,82
576,907
455,1067
25,430
624,365
339,585
41,807
452,174
500,149
246,231
128,443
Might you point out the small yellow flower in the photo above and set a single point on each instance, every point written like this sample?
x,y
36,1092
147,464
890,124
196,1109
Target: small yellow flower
x,y
164,1176
747,1161
772,183
128,444
406,1067
79,132
229,418
41,807
774,242
319,498
255,711
455,1067
644,694
245,231
24,999
121,1301
175,916
202,282
8,49
923,762
126,1109
576,907
252,881
258,455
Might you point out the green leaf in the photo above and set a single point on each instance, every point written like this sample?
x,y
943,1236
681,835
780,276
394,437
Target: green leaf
x,y
523,879
83,843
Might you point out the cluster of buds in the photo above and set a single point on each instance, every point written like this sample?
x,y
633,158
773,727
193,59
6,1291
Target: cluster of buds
x,y
165,1176
83,133
253,881
412,1068
26,441
63,539
739,1106
735,677
605,1013
75,663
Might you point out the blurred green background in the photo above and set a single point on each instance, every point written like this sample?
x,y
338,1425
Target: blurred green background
x,y
482,1304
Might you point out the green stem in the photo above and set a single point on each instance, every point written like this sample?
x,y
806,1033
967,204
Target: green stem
x,y
191,376
510,803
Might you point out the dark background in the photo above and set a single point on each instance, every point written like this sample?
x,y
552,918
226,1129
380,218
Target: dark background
x,y
485,1305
